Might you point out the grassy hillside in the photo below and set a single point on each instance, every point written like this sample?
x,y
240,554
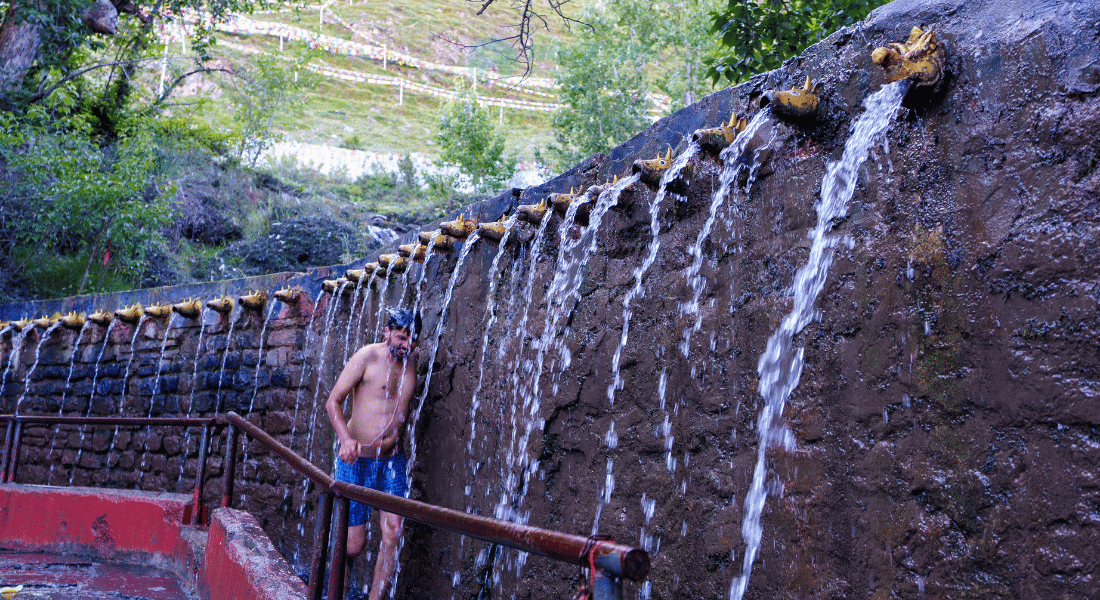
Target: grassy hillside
x,y
380,118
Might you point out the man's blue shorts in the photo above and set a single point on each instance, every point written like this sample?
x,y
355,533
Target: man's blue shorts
x,y
382,474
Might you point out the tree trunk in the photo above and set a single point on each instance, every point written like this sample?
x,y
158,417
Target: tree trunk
x,y
19,43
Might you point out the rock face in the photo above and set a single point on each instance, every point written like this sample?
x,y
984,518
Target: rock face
x,y
943,427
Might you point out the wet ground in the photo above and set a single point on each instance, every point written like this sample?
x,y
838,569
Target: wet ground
x,y
55,576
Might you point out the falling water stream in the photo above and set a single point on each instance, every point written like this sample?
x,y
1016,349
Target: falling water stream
x,y
64,393
780,365
14,355
234,316
91,396
34,365
731,157
491,315
156,389
330,319
191,400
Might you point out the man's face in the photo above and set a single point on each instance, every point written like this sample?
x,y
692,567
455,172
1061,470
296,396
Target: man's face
x,y
399,342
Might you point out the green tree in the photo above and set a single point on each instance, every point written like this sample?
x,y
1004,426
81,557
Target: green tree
x,y
66,194
472,143
758,35
602,89
265,88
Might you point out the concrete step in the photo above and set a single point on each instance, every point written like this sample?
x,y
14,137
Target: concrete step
x,y
51,576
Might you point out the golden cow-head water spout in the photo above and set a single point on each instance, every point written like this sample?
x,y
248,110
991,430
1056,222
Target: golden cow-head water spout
x,y
188,309
158,311
46,322
715,139
443,243
130,314
653,169
460,228
533,213
254,300
74,320
393,263
221,305
795,104
494,231
101,318
416,251
378,270
289,295
921,58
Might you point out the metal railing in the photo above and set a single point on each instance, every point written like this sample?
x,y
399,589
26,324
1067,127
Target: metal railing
x,y
608,561
13,438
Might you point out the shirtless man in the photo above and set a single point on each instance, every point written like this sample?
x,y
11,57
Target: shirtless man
x,y
381,378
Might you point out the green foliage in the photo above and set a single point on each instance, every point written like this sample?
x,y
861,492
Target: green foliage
x,y
69,195
262,92
758,35
602,91
470,141
626,49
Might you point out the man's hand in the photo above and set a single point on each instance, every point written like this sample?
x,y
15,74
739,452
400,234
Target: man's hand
x,y
349,450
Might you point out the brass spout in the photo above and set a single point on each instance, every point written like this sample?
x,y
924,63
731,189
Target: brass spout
x,y
921,58
130,314
443,243
717,138
222,305
795,103
494,231
355,275
22,324
73,321
460,228
188,309
393,263
416,251
46,322
378,270
101,318
652,170
254,300
159,311
561,202
331,286
289,295
533,213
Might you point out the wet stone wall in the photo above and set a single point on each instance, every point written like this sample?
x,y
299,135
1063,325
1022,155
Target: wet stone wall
x,y
789,379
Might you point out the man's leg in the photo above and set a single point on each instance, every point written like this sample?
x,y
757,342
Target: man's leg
x,y
384,566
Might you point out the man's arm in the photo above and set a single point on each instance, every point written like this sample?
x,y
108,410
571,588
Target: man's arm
x,y
334,406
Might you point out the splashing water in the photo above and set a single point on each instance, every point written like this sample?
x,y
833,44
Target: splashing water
x,y
731,157
37,354
780,366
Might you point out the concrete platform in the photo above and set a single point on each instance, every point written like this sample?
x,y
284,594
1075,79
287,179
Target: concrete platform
x,y
56,577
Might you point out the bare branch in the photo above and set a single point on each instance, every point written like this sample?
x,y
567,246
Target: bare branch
x,y
40,94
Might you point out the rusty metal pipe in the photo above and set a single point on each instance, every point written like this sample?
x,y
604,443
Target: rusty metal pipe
x,y
339,551
320,547
297,462
200,474
617,559
230,467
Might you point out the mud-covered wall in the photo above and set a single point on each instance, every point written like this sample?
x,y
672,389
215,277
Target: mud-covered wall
x,y
944,421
